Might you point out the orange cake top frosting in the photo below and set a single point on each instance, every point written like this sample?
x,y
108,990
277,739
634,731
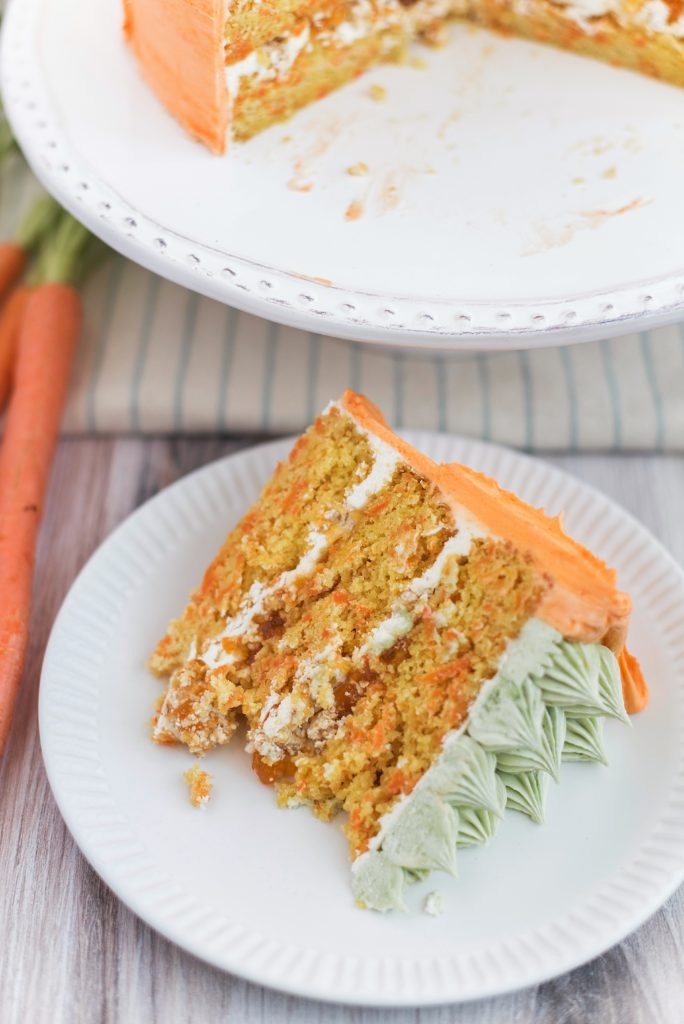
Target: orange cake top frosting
x,y
179,44
582,601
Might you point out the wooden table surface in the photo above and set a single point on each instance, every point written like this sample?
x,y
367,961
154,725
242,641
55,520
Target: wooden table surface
x,y
71,953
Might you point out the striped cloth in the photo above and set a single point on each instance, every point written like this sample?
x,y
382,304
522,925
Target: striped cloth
x,y
156,358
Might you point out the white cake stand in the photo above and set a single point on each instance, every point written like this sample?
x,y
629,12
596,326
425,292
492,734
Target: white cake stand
x,y
516,196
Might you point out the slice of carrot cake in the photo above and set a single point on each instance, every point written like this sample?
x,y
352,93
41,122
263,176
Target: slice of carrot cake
x,y
407,643
227,70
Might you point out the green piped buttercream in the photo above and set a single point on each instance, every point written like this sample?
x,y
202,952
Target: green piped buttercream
x,y
584,740
531,652
477,826
546,703
422,834
526,792
509,717
377,883
412,875
545,757
583,679
465,775
610,686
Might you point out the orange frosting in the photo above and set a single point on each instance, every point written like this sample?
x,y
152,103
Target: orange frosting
x,y
581,601
179,45
634,688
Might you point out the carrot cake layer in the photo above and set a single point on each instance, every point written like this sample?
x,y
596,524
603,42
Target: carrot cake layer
x,y
227,70
408,645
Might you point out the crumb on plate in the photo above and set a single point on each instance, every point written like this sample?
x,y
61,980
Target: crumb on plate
x,y
354,210
200,785
436,36
433,903
299,185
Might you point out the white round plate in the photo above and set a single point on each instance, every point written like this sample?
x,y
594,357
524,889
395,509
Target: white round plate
x,y
517,195
266,893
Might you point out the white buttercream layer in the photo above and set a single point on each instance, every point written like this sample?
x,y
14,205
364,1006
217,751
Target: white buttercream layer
x,y
374,478
654,16
274,61
256,600
283,716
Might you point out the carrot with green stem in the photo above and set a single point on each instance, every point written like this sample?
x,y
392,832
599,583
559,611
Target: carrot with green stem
x,y
41,219
12,254
15,254
47,340
7,144
12,265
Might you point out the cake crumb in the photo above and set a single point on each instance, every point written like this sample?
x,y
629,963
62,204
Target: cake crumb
x,y
354,210
157,733
377,92
200,785
610,172
433,903
297,185
358,168
390,196
435,35
419,63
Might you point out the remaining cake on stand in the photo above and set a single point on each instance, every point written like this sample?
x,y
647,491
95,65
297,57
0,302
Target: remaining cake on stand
x,y
228,70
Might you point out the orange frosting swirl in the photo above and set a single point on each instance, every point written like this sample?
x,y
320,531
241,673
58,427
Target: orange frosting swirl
x,y
634,687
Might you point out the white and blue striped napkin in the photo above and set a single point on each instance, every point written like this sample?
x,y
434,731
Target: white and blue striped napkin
x,y
156,358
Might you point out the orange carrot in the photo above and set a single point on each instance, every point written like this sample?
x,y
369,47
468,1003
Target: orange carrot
x,y
10,321
47,341
12,264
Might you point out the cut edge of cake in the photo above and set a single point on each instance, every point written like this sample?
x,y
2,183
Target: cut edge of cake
x,y
230,70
